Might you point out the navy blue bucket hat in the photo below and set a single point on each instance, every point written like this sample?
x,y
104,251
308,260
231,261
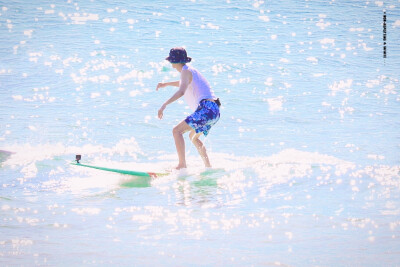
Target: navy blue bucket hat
x,y
178,55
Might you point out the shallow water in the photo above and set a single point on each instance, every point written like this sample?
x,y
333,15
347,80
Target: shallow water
x,y
306,153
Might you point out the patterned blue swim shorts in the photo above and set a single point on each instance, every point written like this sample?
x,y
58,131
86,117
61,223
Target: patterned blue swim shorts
x,y
205,116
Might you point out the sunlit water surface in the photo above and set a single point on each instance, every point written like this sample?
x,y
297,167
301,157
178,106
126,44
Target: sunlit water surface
x,y
306,153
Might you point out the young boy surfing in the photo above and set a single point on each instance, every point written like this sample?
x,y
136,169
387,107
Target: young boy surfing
x,y
200,98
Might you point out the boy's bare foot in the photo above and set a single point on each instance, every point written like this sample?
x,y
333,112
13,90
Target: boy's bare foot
x,y
179,167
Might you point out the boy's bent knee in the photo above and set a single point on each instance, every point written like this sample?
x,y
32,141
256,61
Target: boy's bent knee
x,y
180,129
176,131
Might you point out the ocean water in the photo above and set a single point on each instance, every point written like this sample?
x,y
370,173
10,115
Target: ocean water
x,y
306,153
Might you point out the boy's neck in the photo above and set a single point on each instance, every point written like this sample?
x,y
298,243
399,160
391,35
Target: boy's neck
x,y
179,66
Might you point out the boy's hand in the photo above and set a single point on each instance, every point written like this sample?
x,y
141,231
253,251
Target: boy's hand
x,y
160,85
161,111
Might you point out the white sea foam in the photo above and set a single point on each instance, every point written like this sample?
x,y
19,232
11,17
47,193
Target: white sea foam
x,y
275,104
86,211
341,86
312,59
322,25
209,25
95,95
48,151
269,82
82,19
134,93
326,41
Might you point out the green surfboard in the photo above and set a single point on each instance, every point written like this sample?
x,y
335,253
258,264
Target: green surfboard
x,y
120,171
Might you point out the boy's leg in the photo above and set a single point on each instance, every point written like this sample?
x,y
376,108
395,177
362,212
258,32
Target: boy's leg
x,y
200,147
178,132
